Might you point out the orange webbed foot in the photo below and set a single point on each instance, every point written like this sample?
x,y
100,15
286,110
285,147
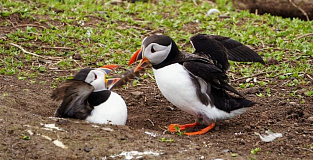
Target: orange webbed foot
x,y
172,127
204,130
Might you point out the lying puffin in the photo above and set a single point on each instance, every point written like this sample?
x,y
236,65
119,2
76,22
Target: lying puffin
x,y
88,97
197,83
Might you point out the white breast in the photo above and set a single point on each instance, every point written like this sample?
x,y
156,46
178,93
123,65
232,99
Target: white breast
x,y
177,87
112,111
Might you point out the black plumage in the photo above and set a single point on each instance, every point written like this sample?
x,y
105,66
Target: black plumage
x,y
197,83
78,97
209,63
75,94
221,49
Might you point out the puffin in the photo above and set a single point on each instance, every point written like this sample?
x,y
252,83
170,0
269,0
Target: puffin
x,y
88,97
197,83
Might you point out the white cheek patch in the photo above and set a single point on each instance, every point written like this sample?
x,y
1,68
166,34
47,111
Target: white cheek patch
x,y
90,77
99,83
160,54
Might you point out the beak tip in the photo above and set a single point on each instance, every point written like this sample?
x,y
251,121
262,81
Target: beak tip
x,y
135,57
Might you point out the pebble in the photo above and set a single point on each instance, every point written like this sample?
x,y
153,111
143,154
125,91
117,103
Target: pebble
x,y
86,149
252,90
169,108
310,119
293,103
137,93
212,11
226,150
247,128
115,2
272,61
217,128
77,56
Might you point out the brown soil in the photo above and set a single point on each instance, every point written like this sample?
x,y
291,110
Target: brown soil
x,y
26,107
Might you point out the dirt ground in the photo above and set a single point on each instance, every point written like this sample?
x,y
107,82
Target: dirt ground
x,y
28,132
26,108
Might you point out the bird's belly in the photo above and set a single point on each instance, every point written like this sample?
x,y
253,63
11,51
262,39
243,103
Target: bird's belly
x,y
177,87
113,111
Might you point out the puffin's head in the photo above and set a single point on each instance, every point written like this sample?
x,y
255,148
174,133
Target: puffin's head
x,y
155,49
97,77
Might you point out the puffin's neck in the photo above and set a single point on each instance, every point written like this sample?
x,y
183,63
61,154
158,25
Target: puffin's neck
x,y
96,98
171,58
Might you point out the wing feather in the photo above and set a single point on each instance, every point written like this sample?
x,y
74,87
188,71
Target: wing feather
x,y
215,91
75,94
221,49
211,74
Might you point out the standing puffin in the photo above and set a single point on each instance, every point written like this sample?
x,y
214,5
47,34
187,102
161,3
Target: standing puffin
x,y
88,97
197,83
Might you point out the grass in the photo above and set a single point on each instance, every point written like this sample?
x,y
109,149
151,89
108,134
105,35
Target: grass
x,y
163,139
106,33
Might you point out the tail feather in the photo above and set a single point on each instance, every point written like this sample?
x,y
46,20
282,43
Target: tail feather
x,y
226,102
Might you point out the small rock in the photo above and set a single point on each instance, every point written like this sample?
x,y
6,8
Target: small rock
x,y
242,142
30,132
226,150
310,119
115,2
169,108
272,61
293,103
247,128
212,11
217,128
61,121
107,129
252,90
11,131
137,93
227,121
87,149
77,56
140,158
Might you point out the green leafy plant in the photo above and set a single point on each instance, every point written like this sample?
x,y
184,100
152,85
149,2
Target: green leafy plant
x,y
255,151
179,132
24,137
163,139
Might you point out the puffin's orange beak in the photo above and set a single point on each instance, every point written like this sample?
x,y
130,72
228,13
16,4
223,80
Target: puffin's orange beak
x,y
108,68
138,56
109,83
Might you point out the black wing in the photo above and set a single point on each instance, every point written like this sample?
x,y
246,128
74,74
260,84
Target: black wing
x,y
215,88
210,73
75,94
237,51
211,45
211,49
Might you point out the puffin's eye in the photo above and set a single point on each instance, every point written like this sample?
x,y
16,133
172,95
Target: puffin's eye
x,y
96,76
152,50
